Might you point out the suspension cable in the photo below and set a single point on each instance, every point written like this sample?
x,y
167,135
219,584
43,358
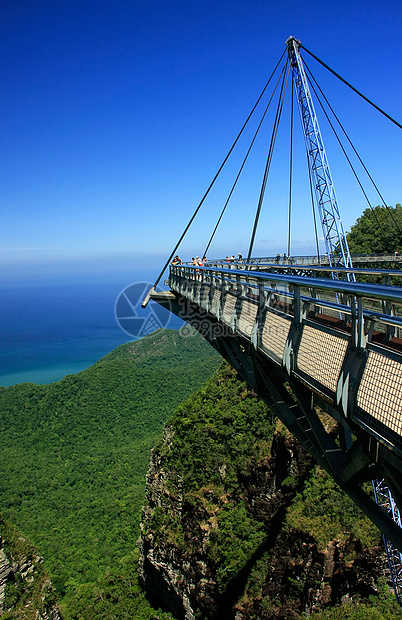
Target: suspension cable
x,y
355,151
290,164
243,164
270,153
214,179
352,87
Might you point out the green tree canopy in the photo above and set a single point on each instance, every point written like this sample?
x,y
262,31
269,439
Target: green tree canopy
x,y
377,231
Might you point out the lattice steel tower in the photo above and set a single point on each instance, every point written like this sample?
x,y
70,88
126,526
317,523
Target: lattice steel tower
x,y
336,245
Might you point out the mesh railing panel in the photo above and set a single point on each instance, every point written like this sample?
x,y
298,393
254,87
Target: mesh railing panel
x,y
228,308
379,398
321,356
247,317
215,302
274,335
204,295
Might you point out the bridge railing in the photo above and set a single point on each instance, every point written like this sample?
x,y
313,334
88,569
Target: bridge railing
x,y
314,260
309,267
340,338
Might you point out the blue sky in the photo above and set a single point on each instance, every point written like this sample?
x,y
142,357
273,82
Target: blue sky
x,y
116,114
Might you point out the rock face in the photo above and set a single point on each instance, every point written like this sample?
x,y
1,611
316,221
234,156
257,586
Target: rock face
x,y
5,572
24,584
231,551
163,570
302,578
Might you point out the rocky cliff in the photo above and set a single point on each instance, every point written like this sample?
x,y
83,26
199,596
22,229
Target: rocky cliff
x,y
239,522
25,590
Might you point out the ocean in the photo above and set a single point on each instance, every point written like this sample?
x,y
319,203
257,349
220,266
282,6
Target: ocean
x,y
49,330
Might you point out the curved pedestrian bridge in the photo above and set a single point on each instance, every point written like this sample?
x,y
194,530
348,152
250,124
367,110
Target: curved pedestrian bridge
x,y
310,346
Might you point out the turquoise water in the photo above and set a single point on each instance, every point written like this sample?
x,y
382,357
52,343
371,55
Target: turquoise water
x,y
48,331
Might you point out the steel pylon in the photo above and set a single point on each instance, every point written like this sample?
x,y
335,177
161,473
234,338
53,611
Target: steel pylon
x,y
336,244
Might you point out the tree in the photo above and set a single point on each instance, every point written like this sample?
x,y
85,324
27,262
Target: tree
x,y
377,231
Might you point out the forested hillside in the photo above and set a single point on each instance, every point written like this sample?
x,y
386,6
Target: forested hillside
x,y
74,454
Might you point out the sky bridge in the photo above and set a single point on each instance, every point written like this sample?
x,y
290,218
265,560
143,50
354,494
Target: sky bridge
x,y
319,338
310,345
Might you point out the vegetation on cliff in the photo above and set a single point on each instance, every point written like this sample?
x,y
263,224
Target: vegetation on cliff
x,y
323,508
75,453
25,589
220,435
239,521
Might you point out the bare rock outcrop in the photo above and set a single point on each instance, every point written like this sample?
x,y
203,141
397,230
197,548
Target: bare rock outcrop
x,y
5,572
177,563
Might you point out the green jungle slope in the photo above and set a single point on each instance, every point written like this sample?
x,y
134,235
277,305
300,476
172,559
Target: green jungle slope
x,y
74,454
26,592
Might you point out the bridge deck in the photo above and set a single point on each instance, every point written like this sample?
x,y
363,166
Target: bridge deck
x,y
301,325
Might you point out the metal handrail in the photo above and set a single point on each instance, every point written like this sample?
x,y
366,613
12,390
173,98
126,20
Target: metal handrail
x,y
300,267
383,292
